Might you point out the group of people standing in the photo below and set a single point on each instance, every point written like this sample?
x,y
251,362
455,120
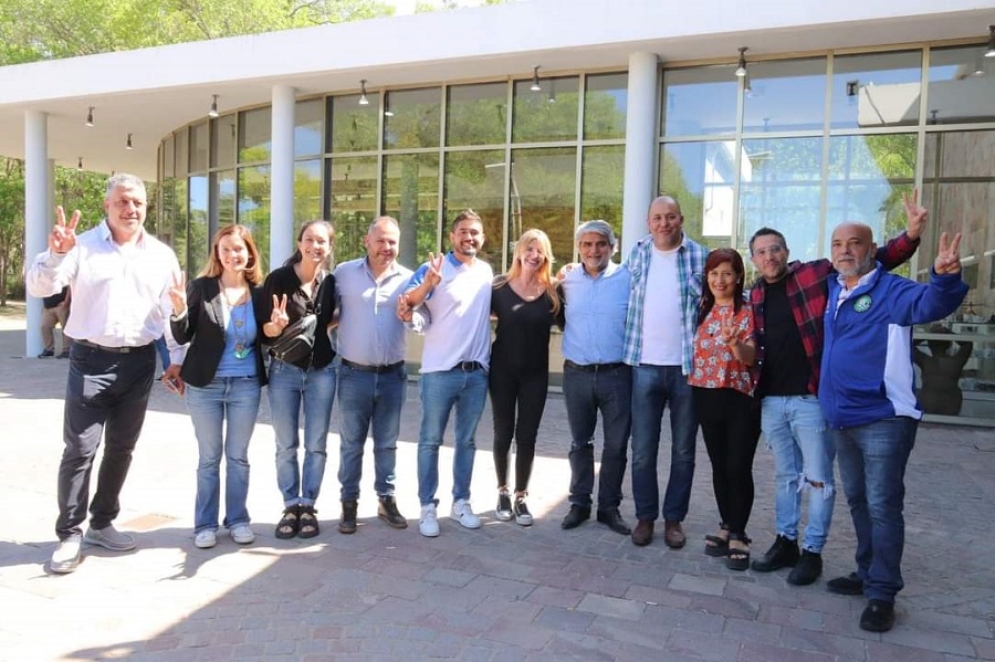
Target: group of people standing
x,y
816,355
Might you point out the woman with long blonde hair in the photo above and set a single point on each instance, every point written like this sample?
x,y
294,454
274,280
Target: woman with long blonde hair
x,y
525,303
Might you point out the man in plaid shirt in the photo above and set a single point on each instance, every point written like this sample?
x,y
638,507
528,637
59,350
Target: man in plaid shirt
x,y
789,301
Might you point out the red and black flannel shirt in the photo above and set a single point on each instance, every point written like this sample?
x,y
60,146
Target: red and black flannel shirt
x,y
808,291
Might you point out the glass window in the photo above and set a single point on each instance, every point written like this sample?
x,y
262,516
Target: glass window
x,y
354,127
182,153
307,192
543,189
223,198
601,188
700,101
309,122
223,134
780,188
411,195
353,203
877,89
700,177
164,228
475,180
547,115
415,119
199,232
477,114
179,237
605,100
960,85
198,147
255,141
254,207
788,95
169,158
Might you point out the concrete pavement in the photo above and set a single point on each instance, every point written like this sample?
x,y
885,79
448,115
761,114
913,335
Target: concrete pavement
x,y
499,593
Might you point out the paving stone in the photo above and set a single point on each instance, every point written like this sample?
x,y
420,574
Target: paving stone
x,y
685,642
692,584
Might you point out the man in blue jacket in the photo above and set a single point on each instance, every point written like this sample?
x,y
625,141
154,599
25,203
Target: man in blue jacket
x,y
866,393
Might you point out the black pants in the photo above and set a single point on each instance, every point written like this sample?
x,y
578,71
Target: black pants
x,y
511,390
106,395
730,425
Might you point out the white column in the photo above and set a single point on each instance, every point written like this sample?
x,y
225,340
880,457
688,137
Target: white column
x,y
281,237
38,214
641,147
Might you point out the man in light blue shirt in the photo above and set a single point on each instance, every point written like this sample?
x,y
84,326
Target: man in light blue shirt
x,y
372,381
595,303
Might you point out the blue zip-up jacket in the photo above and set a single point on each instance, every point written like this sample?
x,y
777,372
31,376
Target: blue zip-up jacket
x,y
866,371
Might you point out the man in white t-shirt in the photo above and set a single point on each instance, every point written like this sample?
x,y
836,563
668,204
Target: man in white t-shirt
x,y
454,293
666,269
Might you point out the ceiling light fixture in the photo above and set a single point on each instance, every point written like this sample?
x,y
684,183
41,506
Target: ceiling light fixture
x,y
363,100
536,87
89,116
213,112
128,145
991,42
741,69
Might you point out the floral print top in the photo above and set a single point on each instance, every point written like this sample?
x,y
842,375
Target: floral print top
x,y
714,364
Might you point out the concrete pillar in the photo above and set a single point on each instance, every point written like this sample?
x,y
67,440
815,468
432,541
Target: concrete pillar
x,y
281,237
38,214
641,147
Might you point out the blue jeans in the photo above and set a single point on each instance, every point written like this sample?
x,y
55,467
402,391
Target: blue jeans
x,y
235,399
795,431
365,399
585,394
440,392
653,388
872,467
289,386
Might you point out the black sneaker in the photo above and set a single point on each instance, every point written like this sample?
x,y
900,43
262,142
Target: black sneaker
x,y
503,509
575,517
849,585
782,554
522,515
347,523
807,570
388,512
879,616
48,353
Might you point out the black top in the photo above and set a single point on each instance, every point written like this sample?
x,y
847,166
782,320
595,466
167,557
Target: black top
x,y
284,280
521,343
786,368
57,298
204,328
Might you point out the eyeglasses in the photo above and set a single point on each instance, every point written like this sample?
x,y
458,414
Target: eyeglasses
x,y
776,249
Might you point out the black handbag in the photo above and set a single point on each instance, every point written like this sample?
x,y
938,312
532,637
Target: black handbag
x,y
297,340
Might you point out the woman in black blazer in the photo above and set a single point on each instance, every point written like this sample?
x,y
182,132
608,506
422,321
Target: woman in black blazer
x,y
222,375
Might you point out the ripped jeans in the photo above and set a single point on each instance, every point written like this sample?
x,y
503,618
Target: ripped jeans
x,y
795,432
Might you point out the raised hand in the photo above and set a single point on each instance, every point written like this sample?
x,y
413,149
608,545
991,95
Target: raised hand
x,y
727,331
178,293
404,310
565,269
915,214
434,274
62,239
278,317
948,255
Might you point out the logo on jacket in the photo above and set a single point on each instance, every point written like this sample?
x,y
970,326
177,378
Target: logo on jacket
x,y
863,304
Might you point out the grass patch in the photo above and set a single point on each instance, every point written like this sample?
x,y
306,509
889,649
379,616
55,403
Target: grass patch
x,y
13,309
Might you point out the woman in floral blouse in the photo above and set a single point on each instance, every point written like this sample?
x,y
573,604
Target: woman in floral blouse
x,y
723,398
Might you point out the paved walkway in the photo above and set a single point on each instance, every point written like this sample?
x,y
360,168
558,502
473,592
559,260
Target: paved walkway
x,y
500,593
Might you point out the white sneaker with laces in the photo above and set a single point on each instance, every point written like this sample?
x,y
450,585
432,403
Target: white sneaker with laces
x,y
463,512
109,538
206,539
428,523
66,557
242,534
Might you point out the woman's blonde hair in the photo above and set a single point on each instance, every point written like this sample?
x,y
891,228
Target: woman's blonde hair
x,y
253,270
545,275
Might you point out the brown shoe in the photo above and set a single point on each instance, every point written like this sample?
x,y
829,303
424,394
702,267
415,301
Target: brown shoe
x,y
673,535
643,533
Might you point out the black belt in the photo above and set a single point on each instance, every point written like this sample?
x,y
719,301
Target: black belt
x,y
468,366
112,350
378,369
592,367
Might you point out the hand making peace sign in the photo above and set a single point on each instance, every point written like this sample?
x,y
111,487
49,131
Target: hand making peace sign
x,y
948,255
62,239
915,214
278,317
178,293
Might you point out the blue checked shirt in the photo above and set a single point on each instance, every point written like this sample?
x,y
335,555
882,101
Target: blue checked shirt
x,y
690,269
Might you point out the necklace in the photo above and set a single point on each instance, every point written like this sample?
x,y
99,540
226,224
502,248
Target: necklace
x,y
242,346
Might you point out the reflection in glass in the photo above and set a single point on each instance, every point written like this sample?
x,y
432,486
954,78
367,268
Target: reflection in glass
x,y
223,198
788,95
254,208
605,100
961,85
223,134
353,203
411,195
601,188
164,226
547,115
307,192
168,158
700,101
198,231
182,152
700,177
179,242
877,89
309,127
546,184
416,120
477,114
198,147
475,180
255,140
780,189
354,127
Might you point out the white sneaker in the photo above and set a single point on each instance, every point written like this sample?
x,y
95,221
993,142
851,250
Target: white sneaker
x,y
464,513
66,557
242,534
206,539
428,523
109,538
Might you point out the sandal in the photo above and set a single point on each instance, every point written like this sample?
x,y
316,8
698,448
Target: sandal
x,y
309,523
738,558
288,525
718,546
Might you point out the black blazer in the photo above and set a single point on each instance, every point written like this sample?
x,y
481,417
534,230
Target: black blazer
x,y
203,327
